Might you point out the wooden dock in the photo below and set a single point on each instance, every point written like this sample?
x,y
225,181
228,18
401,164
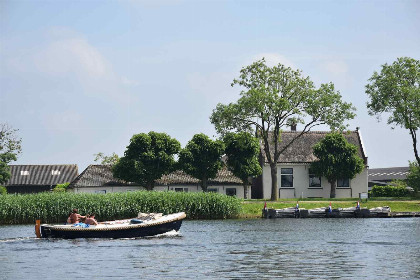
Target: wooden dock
x,y
335,213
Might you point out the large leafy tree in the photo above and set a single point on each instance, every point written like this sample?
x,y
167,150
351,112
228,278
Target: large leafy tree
x,y
242,150
395,90
337,159
147,158
201,158
275,97
10,147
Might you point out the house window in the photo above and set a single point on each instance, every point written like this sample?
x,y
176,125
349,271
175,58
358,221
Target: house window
x,y
24,173
314,181
287,177
181,189
343,183
55,172
231,191
213,190
101,191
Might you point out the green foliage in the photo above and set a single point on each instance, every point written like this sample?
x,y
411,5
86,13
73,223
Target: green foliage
x,y
10,147
3,190
390,191
107,160
337,159
272,98
147,158
61,187
396,91
413,178
54,207
242,150
201,158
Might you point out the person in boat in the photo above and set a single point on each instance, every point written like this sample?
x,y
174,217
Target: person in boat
x,y
75,216
90,219
69,219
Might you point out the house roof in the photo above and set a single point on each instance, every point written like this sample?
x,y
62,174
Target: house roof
x,y
388,174
101,175
96,175
301,150
42,175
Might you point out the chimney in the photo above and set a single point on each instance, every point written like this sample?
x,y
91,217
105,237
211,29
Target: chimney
x,y
293,127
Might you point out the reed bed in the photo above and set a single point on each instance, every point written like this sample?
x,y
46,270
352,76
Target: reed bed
x,y
55,207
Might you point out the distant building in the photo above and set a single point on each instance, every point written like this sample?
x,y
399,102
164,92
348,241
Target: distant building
x,y
384,176
39,178
294,175
99,179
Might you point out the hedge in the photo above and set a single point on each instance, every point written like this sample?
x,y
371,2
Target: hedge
x,y
54,207
389,191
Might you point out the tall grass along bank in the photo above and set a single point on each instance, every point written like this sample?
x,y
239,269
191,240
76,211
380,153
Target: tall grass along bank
x,y
55,207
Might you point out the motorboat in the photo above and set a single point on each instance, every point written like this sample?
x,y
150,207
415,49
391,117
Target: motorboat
x,y
143,225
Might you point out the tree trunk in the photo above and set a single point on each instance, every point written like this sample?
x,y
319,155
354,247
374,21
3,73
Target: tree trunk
x,y
333,183
274,188
204,184
245,190
150,186
414,137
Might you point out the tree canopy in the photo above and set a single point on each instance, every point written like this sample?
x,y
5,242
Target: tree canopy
x,y
276,97
395,90
147,158
242,150
337,159
10,147
201,158
107,160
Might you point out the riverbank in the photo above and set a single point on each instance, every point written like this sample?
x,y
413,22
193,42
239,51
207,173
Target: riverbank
x,y
251,209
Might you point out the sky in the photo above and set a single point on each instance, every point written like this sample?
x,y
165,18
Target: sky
x,y
82,77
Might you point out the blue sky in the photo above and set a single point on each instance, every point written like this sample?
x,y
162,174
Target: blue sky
x,y
81,77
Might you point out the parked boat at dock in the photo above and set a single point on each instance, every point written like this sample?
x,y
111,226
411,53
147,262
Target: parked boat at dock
x,y
328,212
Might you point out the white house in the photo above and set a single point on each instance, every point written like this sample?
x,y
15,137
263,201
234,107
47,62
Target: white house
x,y
294,176
99,179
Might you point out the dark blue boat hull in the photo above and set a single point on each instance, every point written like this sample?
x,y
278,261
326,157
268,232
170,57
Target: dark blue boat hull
x,y
123,232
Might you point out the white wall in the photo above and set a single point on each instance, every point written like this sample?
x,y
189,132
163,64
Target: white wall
x,y
301,184
109,189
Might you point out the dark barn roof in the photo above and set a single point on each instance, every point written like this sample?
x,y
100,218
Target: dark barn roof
x,y
41,175
388,174
101,175
301,151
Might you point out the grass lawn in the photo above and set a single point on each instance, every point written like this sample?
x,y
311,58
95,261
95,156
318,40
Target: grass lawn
x,y
252,208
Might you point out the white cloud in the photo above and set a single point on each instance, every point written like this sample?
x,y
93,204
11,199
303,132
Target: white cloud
x,y
336,68
72,55
127,82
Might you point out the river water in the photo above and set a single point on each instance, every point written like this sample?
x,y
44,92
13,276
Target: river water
x,y
225,249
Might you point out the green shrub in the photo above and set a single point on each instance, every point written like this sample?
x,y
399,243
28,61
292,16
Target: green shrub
x,y
389,191
3,190
53,207
413,178
61,187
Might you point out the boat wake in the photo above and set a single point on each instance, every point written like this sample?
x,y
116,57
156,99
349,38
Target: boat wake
x,y
17,239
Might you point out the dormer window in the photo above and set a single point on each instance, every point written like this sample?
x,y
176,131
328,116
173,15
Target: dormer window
x,y
24,172
55,172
